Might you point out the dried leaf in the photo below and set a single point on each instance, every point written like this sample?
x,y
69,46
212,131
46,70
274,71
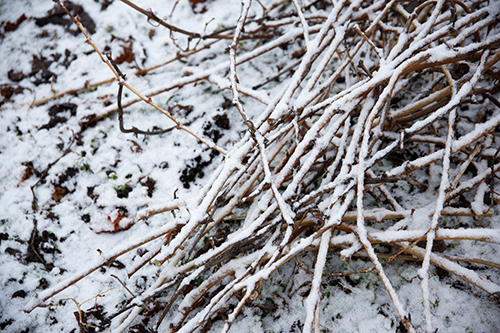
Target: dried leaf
x,y
7,91
181,110
127,55
57,16
28,172
15,76
198,6
135,148
40,70
55,112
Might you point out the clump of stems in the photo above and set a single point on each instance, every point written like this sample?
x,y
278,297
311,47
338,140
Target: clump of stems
x,y
368,108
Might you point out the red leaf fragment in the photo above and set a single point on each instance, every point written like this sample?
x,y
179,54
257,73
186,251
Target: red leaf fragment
x,y
28,172
113,222
9,26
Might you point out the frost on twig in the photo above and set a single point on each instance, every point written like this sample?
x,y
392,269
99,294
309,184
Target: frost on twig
x,y
382,94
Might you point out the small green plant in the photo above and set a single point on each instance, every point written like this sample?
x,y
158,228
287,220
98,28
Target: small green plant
x,y
122,191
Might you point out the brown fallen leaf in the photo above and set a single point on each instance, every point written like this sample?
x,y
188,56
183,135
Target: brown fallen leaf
x,y
28,172
59,193
127,55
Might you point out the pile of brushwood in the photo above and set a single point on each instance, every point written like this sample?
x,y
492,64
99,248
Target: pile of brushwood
x,y
382,126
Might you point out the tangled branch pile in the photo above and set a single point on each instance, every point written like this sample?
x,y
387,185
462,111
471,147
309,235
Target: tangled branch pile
x,y
382,123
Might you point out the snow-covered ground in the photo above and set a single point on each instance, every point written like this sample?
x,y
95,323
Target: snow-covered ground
x,y
64,182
